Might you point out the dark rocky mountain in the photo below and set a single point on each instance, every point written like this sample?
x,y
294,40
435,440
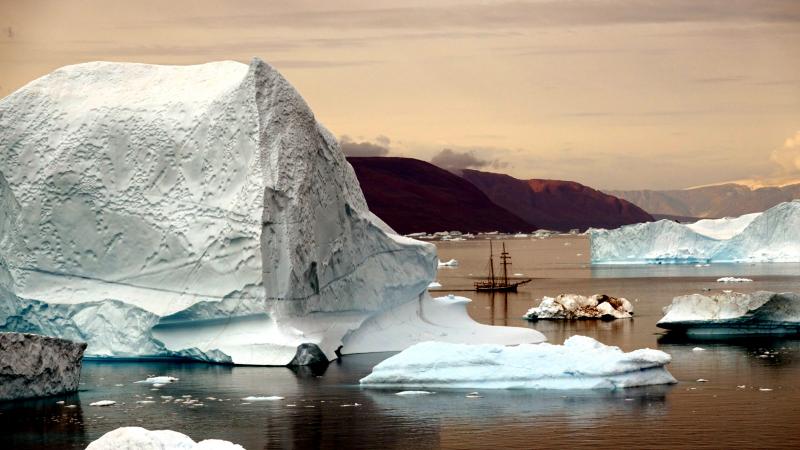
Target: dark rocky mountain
x,y
555,204
412,196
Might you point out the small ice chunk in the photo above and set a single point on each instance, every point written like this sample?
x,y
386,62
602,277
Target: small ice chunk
x,y
262,399
474,395
698,349
764,389
60,402
145,402
742,386
103,403
733,280
434,285
405,393
450,263
159,380
702,380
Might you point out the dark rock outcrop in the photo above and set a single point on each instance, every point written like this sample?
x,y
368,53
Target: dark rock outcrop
x,y
32,365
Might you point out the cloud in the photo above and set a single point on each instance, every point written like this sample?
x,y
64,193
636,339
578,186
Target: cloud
x,y
788,157
365,148
456,161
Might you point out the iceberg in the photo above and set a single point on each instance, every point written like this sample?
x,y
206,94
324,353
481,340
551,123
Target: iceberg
x,y
733,313
581,363
771,236
573,306
144,439
197,212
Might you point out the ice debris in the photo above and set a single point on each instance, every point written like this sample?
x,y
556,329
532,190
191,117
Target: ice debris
x,y
572,306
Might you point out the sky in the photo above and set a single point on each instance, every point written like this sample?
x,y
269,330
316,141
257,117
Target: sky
x,y
615,94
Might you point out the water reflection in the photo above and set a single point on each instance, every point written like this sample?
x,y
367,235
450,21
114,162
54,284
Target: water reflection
x,y
42,423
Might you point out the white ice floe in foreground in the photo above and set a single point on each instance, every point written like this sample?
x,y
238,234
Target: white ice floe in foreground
x,y
773,235
142,439
733,280
450,263
196,211
573,306
434,285
732,313
581,363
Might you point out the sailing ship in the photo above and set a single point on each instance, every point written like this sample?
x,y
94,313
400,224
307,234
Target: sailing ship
x,y
499,283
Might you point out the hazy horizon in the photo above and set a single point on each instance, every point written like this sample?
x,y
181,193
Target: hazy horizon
x,y
618,94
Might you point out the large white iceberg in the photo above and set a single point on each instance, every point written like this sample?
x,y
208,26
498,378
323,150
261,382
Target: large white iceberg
x,y
196,211
581,363
773,235
732,313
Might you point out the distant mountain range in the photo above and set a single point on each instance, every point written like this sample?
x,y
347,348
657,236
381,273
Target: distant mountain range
x,y
413,196
710,201
556,204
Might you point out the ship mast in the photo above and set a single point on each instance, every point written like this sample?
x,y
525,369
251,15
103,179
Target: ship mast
x,y
491,264
504,256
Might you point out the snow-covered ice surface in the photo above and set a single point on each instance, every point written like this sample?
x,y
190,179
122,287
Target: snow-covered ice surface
x,y
142,439
724,228
190,211
773,235
581,363
573,306
732,313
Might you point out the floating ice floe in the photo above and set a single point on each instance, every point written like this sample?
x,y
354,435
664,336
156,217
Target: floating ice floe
x,y
733,280
581,363
434,285
143,439
731,313
773,235
103,403
572,306
162,380
450,263
198,212
270,398
412,393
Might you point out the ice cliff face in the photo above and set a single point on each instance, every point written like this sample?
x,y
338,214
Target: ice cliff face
x,y
38,366
188,210
773,235
734,313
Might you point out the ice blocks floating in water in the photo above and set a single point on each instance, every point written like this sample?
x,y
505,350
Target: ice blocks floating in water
x,y
773,235
194,211
732,313
581,363
573,306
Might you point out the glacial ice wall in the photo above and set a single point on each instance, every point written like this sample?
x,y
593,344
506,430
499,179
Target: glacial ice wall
x,y
188,210
773,235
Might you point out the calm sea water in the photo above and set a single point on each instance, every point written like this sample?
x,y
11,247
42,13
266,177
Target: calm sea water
x,y
317,413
